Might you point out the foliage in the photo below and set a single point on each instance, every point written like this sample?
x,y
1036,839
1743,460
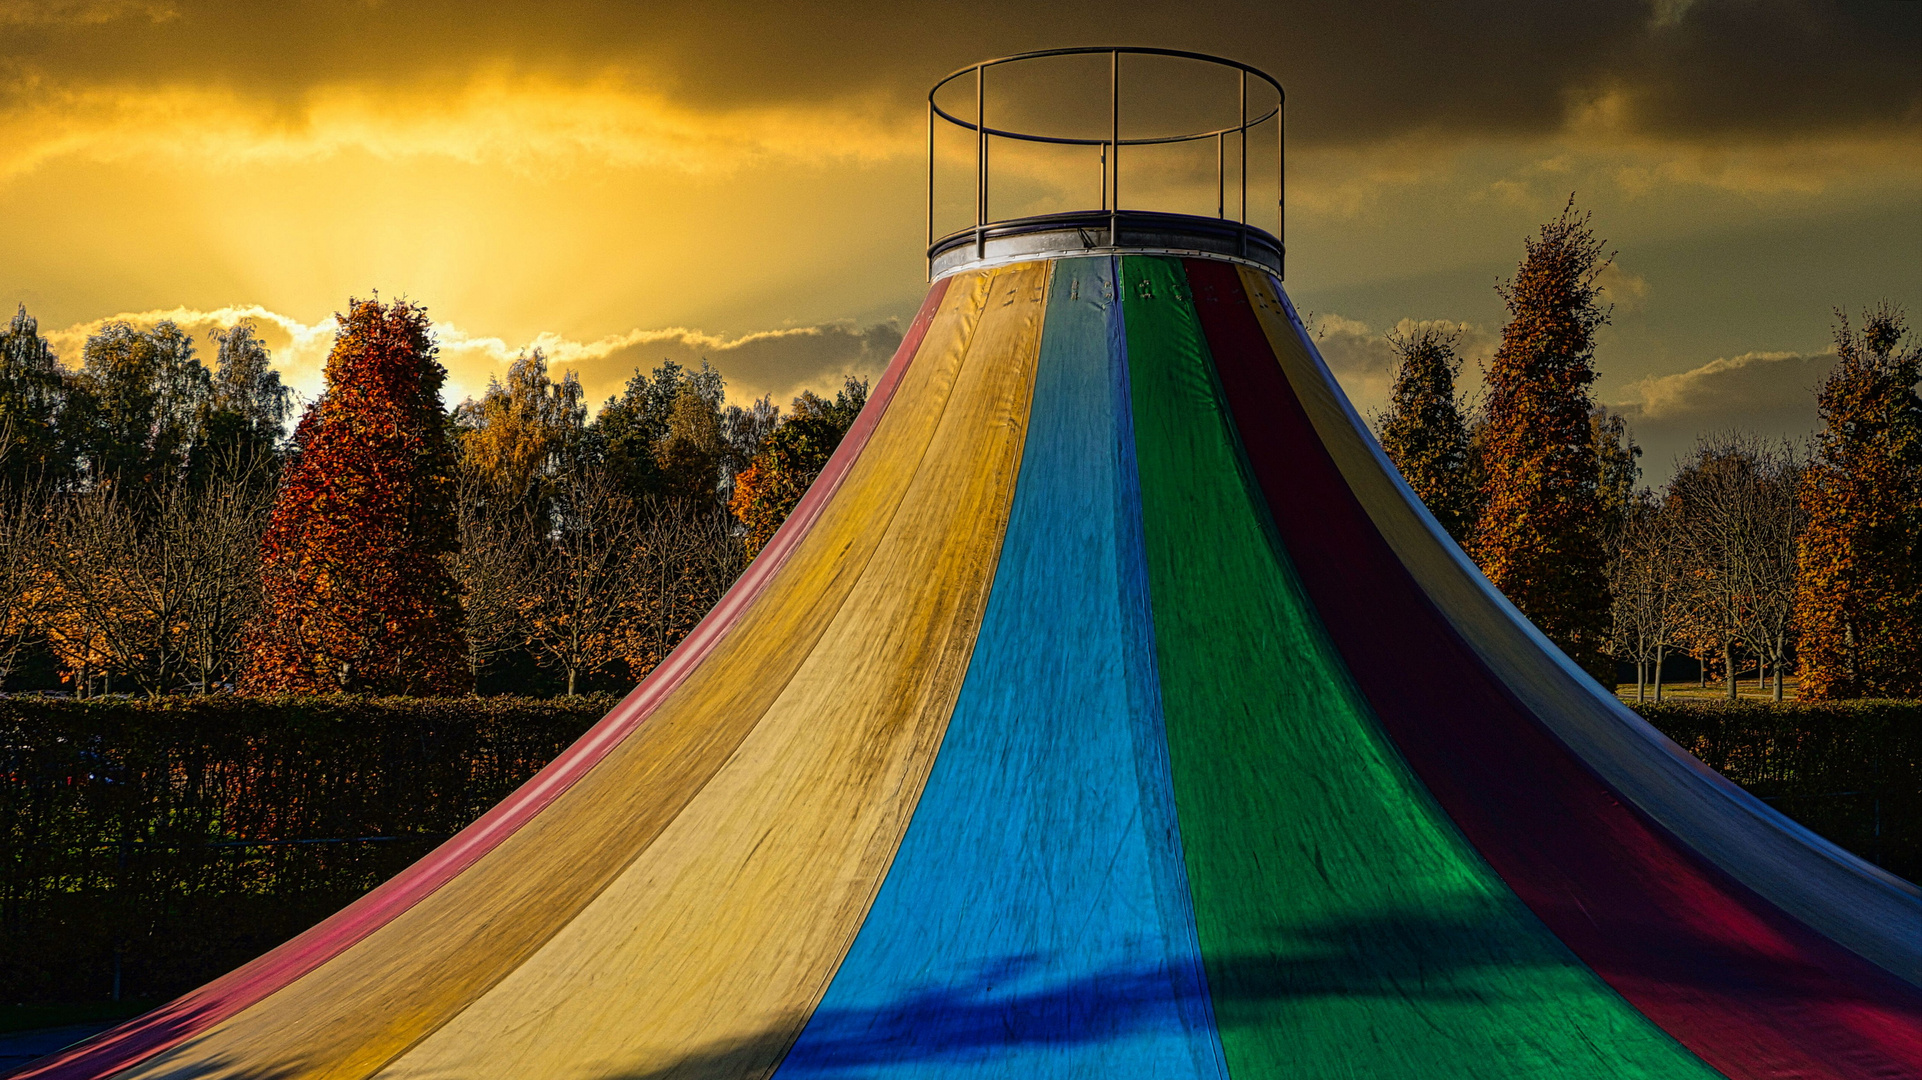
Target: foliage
x,y
1539,538
358,595
522,433
160,828
633,425
776,477
136,403
1423,432
245,413
33,390
1616,467
1860,598
1849,770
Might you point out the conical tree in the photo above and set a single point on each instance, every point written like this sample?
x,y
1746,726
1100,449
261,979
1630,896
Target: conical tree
x,y
1859,595
358,594
1423,432
1539,538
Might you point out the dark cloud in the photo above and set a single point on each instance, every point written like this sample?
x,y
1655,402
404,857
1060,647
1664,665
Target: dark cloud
x,y
1356,72
779,363
1771,394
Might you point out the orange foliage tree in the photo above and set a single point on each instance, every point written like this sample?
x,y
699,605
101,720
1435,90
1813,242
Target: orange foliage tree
x,y
795,452
1859,588
358,595
1540,534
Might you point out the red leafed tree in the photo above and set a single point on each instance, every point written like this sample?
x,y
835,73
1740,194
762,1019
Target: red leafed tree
x,y
1539,538
358,595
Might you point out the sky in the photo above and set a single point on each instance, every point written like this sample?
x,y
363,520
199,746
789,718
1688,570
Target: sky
x,y
619,184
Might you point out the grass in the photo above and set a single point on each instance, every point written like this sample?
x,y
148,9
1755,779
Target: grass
x,y
1690,690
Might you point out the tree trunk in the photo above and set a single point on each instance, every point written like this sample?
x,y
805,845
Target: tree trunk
x,y
1658,673
1728,669
1641,679
570,680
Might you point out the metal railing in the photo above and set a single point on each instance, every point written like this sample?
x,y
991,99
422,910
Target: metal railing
x,y
1109,148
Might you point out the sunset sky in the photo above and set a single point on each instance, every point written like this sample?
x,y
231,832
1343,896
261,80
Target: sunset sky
x,y
624,183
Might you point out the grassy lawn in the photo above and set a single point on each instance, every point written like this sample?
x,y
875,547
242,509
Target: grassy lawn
x,y
1715,691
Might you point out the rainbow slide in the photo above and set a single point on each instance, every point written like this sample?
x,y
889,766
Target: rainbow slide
x,y
1108,708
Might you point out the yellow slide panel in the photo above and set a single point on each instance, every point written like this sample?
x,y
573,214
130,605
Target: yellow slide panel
x,y
1857,905
356,1013
707,955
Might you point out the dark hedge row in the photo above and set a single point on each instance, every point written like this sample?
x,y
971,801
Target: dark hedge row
x,y
172,840
1849,770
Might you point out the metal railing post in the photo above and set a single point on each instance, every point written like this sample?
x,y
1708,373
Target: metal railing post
x,y
1244,163
1221,183
980,161
929,247
1281,184
1114,141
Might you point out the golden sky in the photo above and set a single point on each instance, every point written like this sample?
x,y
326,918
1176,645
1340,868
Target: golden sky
x,y
621,183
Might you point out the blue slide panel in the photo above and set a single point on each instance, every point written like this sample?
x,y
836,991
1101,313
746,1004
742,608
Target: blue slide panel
x,y
1037,922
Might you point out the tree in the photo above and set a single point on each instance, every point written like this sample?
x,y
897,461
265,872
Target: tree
x,y
22,551
33,393
1539,537
632,425
523,433
774,481
358,595
1643,589
1423,432
136,404
1617,469
246,409
1734,503
690,453
582,578
688,558
1859,601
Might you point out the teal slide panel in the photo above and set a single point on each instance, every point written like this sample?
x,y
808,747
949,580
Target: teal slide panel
x,y
1035,922
1348,928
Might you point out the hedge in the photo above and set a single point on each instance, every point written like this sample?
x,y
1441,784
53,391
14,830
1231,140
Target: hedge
x,y
1849,770
172,840
166,841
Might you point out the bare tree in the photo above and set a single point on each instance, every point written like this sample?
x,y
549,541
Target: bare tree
x,y
22,540
581,576
491,567
688,559
160,588
1736,500
1773,522
1645,585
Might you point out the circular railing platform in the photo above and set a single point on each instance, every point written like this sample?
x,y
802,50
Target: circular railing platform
x,y
1110,226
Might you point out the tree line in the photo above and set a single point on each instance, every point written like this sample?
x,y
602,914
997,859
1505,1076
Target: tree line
x,y
1754,553
162,532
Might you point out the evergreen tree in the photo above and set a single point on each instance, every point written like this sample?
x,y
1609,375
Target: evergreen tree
x,y
33,393
1539,538
1423,432
1859,595
358,595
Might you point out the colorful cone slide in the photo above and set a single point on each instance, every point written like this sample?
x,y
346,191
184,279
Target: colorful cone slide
x,y
1109,707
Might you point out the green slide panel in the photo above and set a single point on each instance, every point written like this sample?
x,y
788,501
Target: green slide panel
x,y
1347,928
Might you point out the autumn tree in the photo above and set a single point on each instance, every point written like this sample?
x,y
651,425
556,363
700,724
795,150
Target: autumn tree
x,y
358,595
1423,432
774,481
1539,538
523,433
1859,599
687,558
581,579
